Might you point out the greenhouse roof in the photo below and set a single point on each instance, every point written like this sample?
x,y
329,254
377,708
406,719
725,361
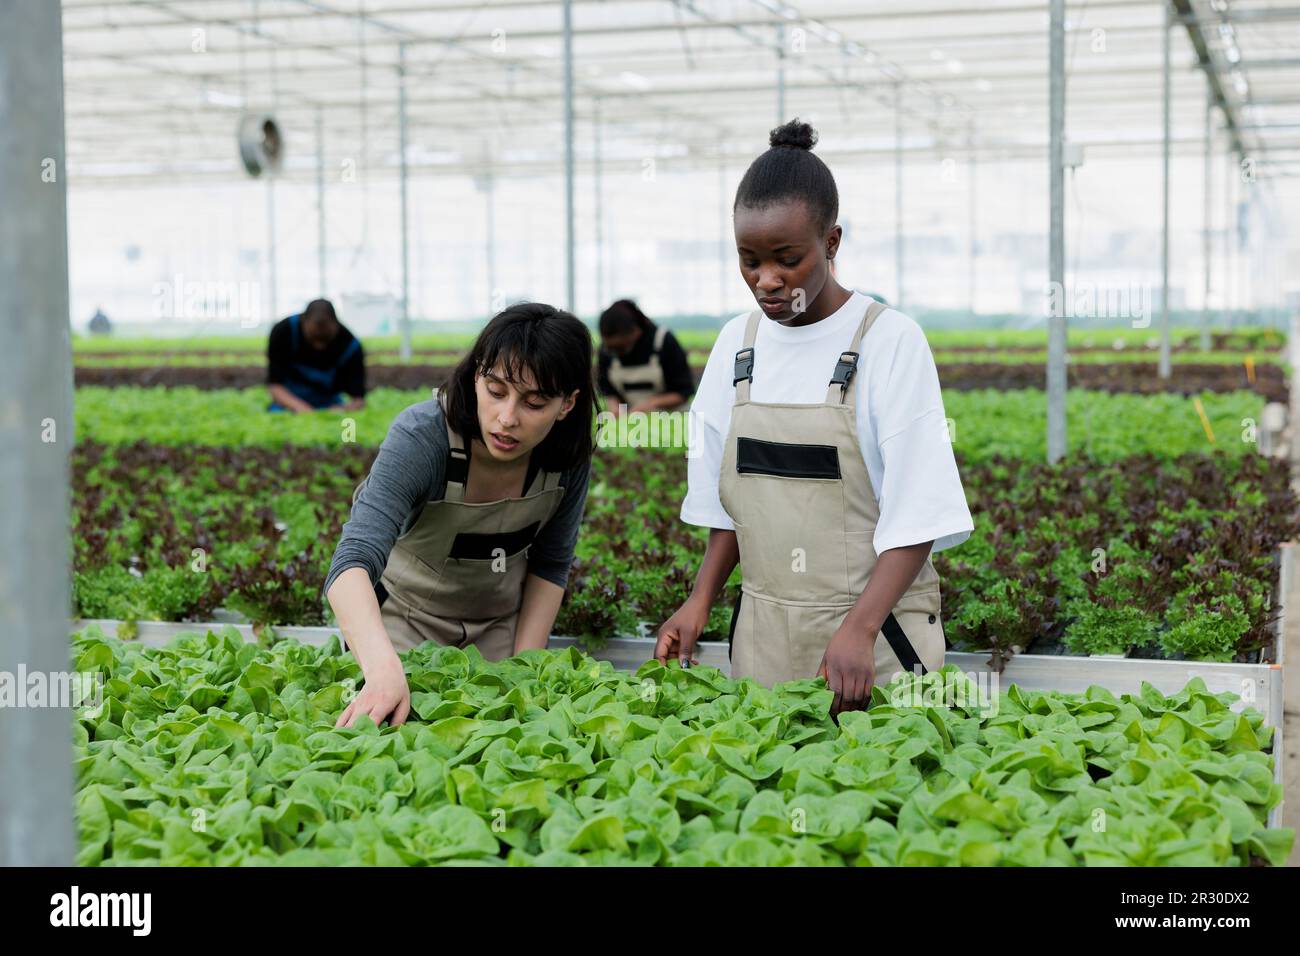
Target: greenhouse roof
x,y
155,88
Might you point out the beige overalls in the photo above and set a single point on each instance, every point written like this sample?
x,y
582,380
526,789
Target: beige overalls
x,y
456,576
636,383
796,485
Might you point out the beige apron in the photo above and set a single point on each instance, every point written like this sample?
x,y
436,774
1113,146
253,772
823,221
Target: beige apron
x,y
795,483
636,383
456,576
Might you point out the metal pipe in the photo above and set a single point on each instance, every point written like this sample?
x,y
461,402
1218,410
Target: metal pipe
x,y
898,195
489,183
405,322
780,73
570,268
37,431
273,296
1165,367
971,194
1056,328
1225,277
724,235
600,206
1208,188
320,202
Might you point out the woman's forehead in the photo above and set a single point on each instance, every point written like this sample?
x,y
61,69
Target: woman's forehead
x,y
522,377
775,224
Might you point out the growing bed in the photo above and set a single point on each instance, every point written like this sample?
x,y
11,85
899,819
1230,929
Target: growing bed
x,y
214,751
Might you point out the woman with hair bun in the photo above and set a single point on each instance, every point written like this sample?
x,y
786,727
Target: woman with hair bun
x,y
820,459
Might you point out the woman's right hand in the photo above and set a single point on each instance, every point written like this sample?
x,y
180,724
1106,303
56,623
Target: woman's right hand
x,y
385,694
681,632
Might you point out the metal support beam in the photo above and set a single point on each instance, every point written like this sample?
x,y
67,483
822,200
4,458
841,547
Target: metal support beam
x,y
1056,328
1207,187
320,203
971,193
272,279
898,196
1165,366
1183,12
1225,284
36,430
599,216
405,320
725,235
570,268
780,73
490,200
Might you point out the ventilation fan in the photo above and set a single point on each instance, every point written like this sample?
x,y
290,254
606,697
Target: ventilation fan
x,y
261,146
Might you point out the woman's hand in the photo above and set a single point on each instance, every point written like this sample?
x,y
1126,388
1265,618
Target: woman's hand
x,y
680,633
849,666
385,694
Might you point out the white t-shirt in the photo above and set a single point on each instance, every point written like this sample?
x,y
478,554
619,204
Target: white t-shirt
x,y
900,419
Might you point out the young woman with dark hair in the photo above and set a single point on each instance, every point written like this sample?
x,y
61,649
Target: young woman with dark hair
x,y
464,530
820,456
642,365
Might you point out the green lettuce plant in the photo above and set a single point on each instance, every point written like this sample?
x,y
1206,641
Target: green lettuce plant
x,y
210,751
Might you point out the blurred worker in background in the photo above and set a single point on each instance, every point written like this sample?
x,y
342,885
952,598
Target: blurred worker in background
x,y
642,365
313,360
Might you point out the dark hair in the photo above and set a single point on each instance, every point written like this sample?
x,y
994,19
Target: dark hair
x,y
323,308
555,349
789,170
623,316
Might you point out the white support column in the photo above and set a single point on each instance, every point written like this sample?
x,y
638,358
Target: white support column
x,y
405,319
320,204
570,240
898,196
1166,95
36,432
1056,327
1207,187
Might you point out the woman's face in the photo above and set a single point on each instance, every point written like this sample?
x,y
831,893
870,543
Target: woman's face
x,y
513,417
784,259
619,345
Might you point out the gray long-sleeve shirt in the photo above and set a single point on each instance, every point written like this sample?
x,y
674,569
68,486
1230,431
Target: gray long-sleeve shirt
x,y
410,469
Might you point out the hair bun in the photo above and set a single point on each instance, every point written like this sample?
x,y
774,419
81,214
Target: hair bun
x,y
793,133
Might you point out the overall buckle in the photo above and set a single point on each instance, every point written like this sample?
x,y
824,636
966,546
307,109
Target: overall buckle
x,y
844,369
744,366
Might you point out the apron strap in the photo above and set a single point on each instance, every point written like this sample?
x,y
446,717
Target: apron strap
x,y
543,481
457,464
847,365
660,333
901,646
744,371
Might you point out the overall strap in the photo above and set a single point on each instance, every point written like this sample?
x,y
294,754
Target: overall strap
x,y
294,332
744,372
543,481
846,366
902,647
660,333
457,464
